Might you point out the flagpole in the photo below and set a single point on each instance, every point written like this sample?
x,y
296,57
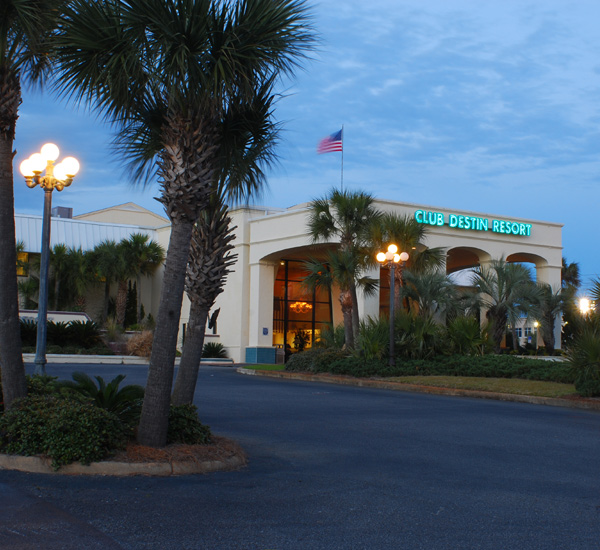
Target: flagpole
x,y
342,180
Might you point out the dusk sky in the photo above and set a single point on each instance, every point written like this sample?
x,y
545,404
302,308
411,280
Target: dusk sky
x,y
492,107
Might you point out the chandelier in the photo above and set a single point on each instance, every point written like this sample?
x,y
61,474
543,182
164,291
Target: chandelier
x,y
301,307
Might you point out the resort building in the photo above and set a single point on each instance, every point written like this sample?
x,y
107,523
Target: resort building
x,y
265,305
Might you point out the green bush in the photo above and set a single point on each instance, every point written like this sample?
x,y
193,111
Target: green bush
x,y
491,366
85,334
185,426
125,402
313,360
28,332
58,333
214,350
374,338
583,358
62,429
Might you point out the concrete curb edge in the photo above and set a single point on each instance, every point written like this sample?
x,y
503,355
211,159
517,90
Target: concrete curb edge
x,y
397,386
38,465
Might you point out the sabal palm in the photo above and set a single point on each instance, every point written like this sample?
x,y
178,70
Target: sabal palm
x,y
345,217
167,72
505,290
247,145
340,267
107,263
549,303
143,257
432,292
409,236
24,28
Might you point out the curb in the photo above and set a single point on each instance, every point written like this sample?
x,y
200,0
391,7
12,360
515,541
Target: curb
x,y
586,404
113,359
37,465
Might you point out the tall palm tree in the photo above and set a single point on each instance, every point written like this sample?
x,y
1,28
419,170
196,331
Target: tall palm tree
x,y
550,302
247,146
24,29
166,71
59,264
210,259
345,217
505,290
409,236
107,263
342,268
143,257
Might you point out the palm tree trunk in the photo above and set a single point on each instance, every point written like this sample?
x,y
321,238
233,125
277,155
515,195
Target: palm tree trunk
x,y
154,420
106,301
187,374
121,305
11,358
355,313
346,303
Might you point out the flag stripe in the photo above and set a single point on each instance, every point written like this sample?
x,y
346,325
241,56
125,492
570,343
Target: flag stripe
x,y
331,143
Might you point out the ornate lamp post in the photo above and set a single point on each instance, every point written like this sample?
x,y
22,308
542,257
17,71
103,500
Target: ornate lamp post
x,y
56,177
391,258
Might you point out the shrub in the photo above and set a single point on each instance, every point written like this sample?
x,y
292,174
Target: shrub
x,y
214,350
125,403
417,337
28,332
584,359
185,426
313,360
465,336
62,429
140,344
58,333
374,338
85,334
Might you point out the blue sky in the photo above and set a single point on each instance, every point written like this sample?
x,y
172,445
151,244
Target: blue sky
x,y
486,106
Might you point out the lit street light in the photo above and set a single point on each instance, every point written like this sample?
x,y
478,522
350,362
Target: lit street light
x,y
391,258
56,177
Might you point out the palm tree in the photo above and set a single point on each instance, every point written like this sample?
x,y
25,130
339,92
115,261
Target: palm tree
x,y
166,73
409,236
549,304
341,267
247,146
24,28
107,263
210,259
432,292
505,290
346,217
143,259
569,275
59,262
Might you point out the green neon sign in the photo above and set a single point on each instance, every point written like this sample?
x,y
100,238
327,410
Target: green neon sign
x,y
473,223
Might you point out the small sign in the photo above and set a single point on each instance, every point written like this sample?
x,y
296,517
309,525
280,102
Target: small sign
x,y
265,331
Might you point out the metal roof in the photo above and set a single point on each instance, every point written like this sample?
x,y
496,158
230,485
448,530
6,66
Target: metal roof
x,y
73,233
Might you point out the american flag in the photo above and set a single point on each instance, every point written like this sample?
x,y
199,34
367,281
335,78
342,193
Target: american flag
x,y
330,144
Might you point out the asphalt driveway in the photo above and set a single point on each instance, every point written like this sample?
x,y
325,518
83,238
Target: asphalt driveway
x,y
336,467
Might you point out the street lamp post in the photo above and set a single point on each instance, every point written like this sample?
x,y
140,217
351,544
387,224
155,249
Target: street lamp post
x,y
391,258
56,177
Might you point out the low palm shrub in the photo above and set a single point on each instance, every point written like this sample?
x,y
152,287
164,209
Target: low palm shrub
x,y
83,333
214,350
124,402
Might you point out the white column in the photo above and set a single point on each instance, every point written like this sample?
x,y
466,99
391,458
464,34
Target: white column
x,y
368,306
262,283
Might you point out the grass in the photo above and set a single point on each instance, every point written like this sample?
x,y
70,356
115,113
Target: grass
x,y
500,385
265,367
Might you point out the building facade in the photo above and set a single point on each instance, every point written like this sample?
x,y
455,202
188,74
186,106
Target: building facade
x,y
265,308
